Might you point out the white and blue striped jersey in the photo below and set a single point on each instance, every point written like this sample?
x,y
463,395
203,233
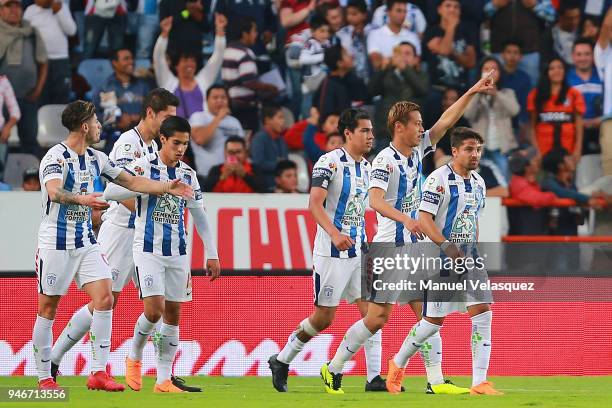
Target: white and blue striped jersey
x,y
455,203
401,179
346,182
129,147
160,225
68,226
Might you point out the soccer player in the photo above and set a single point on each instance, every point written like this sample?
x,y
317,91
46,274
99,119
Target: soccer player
x,y
117,231
337,202
448,214
160,253
395,194
67,247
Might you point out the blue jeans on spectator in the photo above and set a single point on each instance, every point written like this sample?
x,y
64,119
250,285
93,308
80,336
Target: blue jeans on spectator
x,y
28,127
295,79
148,28
500,160
94,30
530,63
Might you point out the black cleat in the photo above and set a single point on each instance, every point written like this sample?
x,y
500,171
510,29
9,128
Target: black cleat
x,y
54,371
178,382
280,372
378,384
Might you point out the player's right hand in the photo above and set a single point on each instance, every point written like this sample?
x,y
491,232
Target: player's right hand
x,y
180,189
453,252
342,242
413,226
91,200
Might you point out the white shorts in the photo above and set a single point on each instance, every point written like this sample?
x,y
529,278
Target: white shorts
x,y
116,243
335,279
167,276
56,268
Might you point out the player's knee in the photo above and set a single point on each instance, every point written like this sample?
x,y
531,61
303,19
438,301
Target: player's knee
x,y
104,301
435,320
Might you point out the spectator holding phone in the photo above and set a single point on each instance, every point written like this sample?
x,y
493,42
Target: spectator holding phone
x,y
236,174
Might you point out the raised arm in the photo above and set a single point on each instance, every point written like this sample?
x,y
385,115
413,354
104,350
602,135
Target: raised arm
x,y
208,74
163,74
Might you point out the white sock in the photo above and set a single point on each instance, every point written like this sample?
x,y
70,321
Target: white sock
x,y
294,344
354,339
100,337
77,327
42,339
420,332
373,355
431,352
167,351
481,346
142,331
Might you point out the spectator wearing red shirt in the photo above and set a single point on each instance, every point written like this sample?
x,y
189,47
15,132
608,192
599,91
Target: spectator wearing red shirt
x,y
524,166
556,112
236,174
294,136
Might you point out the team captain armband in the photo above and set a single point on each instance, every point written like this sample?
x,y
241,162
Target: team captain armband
x,y
321,177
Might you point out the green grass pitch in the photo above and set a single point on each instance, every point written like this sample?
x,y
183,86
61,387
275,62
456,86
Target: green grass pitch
x,y
308,392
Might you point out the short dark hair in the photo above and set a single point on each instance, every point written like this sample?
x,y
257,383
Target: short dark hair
x,y
391,3
565,5
461,134
235,139
158,100
332,56
176,55
216,86
76,113
324,8
173,124
239,26
114,55
269,111
317,21
500,67
360,5
335,134
513,41
414,50
349,119
552,159
283,165
582,40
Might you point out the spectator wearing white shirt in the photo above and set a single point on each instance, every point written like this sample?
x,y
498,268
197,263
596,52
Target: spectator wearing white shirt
x,y
382,40
211,128
353,37
55,24
415,19
311,58
603,61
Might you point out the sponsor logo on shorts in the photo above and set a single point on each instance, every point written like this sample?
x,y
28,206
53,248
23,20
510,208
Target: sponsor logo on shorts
x,y
148,281
51,279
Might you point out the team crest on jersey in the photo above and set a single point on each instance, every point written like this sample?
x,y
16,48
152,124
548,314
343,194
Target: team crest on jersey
x,y
440,189
332,166
389,167
115,274
139,170
137,154
167,210
148,281
127,147
464,227
328,291
51,279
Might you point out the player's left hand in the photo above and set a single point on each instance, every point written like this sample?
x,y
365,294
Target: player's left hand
x,y
213,268
486,84
180,189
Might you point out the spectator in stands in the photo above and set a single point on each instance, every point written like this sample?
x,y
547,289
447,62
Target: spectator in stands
x,y
491,115
590,28
23,60
211,128
183,77
311,58
353,37
333,14
559,39
341,89
101,16
55,24
148,27
286,177
31,181
496,183
584,78
119,101
517,80
415,19
268,146
401,80
236,174
381,41
524,20
449,49
556,112
8,102
525,166
240,75
294,136
603,61
317,144
189,24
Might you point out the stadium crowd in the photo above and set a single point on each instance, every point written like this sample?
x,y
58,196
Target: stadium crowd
x,y
261,81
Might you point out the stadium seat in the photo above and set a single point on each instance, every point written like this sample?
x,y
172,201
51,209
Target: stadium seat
x,y
588,170
289,118
13,139
302,171
95,71
50,129
16,164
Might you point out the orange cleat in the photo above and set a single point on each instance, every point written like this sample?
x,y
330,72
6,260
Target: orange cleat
x,y
167,386
133,374
484,388
100,380
395,376
48,384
